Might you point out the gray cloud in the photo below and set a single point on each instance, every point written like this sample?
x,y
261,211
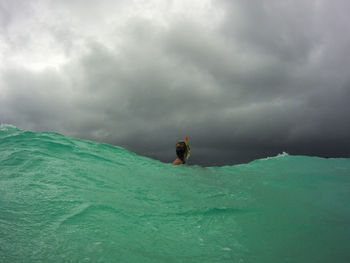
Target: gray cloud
x,y
244,80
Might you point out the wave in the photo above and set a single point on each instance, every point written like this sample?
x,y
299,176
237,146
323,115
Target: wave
x,y
66,199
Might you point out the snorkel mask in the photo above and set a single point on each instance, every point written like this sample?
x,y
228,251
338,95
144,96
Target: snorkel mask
x,y
188,148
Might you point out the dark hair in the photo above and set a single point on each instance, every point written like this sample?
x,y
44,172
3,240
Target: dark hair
x,y
181,149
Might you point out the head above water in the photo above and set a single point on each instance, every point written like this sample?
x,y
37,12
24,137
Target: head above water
x,y
181,150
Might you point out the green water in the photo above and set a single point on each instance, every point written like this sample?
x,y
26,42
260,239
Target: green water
x,y
70,200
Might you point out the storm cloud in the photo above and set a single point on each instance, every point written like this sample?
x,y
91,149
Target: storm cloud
x,y
243,79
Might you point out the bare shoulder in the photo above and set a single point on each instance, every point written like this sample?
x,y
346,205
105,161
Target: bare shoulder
x,y
177,161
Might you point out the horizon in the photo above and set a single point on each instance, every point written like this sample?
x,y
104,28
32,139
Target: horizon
x,y
188,162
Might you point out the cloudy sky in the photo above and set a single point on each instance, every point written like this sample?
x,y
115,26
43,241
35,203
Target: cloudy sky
x,y
243,79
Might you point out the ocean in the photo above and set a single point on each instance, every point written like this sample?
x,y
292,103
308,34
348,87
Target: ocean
x,y
70,200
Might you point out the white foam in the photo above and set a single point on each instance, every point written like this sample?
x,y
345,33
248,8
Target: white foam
x,y
6,127
280,155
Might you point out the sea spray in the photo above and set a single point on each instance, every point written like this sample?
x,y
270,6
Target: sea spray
x,y
69,200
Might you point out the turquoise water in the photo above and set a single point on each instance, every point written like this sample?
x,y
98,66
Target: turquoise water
x,y
69,200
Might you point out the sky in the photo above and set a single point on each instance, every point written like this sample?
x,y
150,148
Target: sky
x,y
243,79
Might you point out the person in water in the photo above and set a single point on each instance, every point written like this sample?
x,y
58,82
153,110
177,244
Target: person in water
x,y
182,151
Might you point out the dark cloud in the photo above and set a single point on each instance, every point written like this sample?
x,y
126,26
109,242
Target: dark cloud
x,y
244,80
